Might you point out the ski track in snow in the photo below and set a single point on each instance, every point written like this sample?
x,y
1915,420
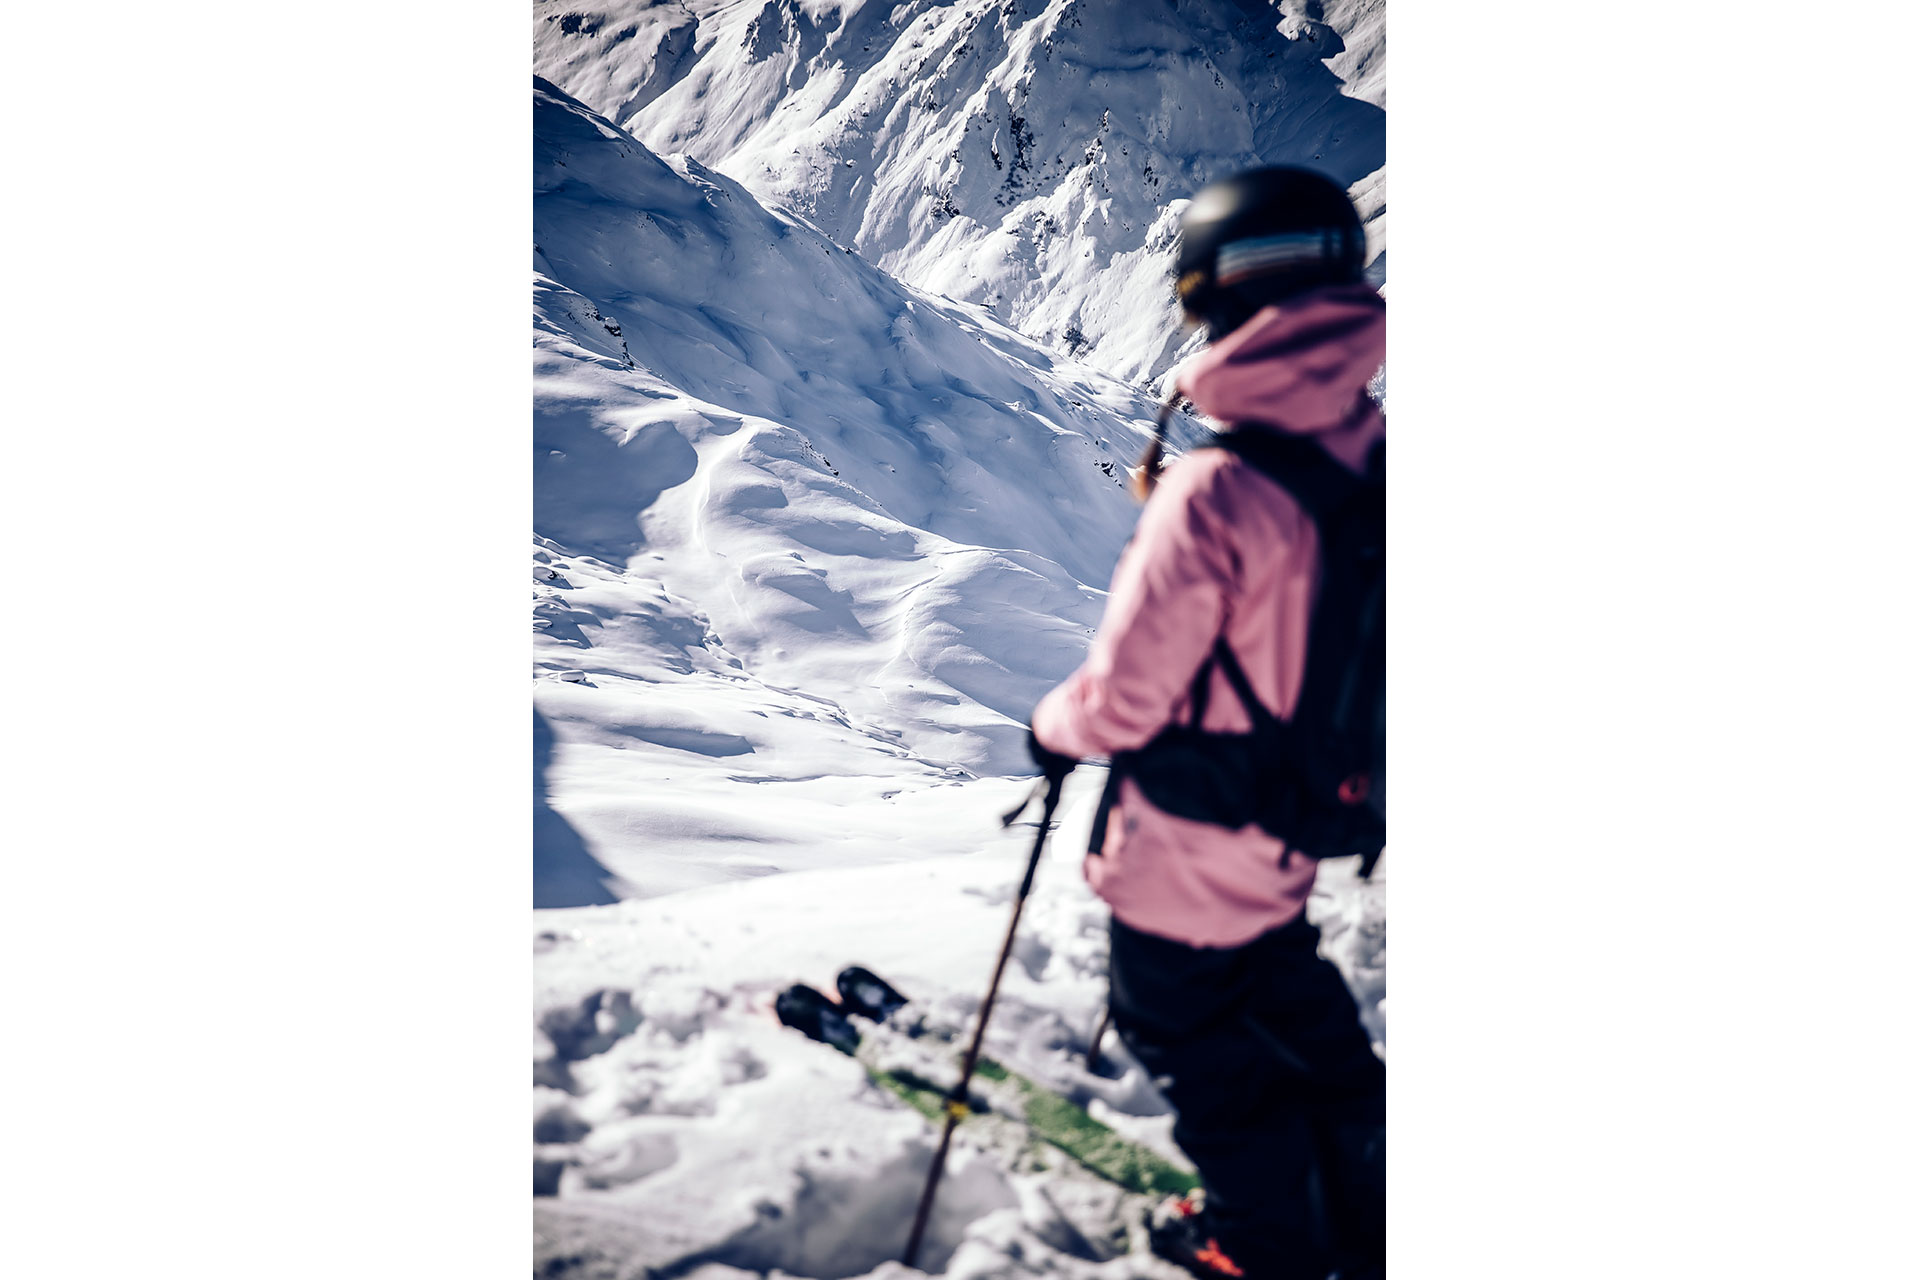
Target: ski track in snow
x,y
845,320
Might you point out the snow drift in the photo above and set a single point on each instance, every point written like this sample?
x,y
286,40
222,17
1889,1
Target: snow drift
x,y
680,1130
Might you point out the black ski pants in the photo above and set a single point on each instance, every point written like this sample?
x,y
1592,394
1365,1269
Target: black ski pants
x,y
1281,1100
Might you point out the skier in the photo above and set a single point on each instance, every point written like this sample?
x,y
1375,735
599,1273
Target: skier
x,y
1217,985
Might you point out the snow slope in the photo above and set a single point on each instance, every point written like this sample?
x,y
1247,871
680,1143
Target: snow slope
x,y
680,1129
1026,155
797,525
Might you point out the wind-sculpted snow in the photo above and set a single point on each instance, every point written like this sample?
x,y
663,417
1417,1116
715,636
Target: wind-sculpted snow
x,y
798,525
1029,156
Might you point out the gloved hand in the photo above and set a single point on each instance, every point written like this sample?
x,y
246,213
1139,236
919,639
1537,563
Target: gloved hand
x,y
1053,765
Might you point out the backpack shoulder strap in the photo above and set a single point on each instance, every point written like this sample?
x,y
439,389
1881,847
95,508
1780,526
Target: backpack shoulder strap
x,y
1201,690
1264,721
1300,466
1321,486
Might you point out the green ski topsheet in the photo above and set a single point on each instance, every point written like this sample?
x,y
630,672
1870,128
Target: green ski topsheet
x,y
1050,1118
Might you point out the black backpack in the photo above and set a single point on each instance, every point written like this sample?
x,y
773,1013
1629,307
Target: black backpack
x,y
1317,780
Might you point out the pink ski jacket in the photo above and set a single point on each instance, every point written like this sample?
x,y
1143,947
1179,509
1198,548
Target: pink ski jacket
x,y
1220,549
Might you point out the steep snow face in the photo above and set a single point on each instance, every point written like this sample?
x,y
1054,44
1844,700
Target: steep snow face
x,y
1030,156
797,525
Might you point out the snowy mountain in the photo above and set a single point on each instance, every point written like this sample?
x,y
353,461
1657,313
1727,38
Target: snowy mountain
x,y
796,523
1023,155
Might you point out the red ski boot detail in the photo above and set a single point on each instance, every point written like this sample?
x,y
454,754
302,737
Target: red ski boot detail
x,y
1181,1233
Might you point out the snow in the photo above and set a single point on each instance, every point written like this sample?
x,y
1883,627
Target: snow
x,y
796,524
1023,155
838,373
677,1123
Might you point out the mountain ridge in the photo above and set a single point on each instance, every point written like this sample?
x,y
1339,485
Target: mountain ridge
x,y
1023,156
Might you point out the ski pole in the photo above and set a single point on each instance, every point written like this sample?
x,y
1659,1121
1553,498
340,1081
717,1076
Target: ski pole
x,y
957,1099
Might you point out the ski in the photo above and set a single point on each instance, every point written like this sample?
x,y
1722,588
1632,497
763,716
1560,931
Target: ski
x,y
898,1057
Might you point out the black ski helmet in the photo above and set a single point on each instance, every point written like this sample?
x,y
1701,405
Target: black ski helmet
x,y
1260,237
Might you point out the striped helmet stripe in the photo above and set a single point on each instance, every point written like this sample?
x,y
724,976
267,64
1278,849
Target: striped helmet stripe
x,y
1244,258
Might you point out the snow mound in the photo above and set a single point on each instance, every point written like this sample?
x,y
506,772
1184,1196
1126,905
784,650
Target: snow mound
x,y
679,1127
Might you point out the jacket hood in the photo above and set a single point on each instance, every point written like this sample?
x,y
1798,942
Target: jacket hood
x,y
1302,365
